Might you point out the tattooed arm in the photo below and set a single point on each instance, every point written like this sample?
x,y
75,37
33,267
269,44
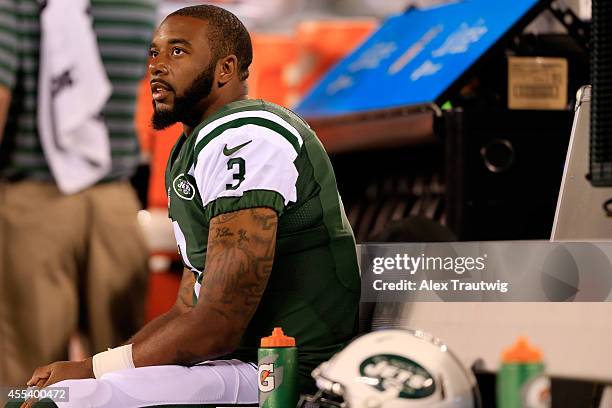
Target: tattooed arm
x,y
239,260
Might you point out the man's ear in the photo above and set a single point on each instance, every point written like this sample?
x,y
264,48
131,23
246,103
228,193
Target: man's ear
x,y
228,69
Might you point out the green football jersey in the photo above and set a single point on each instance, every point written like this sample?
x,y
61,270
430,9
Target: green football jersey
x,y
251,154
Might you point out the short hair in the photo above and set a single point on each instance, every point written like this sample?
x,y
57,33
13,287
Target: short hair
x,y
227,35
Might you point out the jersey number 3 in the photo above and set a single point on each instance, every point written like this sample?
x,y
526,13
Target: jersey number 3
x,y
239,173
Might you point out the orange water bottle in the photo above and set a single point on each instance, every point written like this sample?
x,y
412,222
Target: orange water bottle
x,y
520,363
277,361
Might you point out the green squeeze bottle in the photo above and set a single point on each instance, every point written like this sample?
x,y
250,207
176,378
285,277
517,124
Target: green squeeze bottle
x,y
520,363
278,371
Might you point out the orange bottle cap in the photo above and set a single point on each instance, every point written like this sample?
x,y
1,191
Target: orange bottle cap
x,y
522,352
278,339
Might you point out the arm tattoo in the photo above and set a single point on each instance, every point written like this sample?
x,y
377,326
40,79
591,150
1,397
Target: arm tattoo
x,y
242,236
223,232
238,263
266,219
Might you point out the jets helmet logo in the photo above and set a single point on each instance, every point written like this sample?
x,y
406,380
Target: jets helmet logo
x,y
183,188
388,371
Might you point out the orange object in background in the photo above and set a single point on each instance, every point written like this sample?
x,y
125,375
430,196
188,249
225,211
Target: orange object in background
x,y
142,117
286,67
522,352
322,44
272,54
162,144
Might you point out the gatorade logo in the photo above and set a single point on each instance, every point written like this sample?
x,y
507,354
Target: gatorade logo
x,y
389,372
266,377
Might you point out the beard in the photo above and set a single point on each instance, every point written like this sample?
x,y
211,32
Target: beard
x,y
184,105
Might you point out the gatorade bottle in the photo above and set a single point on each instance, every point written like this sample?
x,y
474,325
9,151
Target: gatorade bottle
x,y
520,363
277,370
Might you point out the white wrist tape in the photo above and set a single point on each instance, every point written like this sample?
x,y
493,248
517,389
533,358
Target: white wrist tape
x,y
115,359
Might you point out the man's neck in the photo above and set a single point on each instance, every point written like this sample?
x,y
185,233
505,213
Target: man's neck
x,y
213,107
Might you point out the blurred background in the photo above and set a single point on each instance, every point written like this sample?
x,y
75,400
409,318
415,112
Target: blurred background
x,y
475,154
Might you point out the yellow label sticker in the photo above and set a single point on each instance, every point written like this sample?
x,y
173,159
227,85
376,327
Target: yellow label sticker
x,y
537,83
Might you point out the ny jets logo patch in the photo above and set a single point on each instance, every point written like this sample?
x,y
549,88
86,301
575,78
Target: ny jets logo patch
x,y
183,188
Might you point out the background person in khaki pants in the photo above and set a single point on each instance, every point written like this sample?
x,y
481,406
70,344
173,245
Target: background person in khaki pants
x,y
68,262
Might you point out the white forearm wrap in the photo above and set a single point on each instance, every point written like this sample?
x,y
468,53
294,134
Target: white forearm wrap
x,y
115,359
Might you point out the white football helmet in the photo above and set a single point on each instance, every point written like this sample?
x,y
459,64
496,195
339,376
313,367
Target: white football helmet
x,y
394,369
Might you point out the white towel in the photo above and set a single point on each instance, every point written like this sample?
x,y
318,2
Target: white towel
x,y
72,91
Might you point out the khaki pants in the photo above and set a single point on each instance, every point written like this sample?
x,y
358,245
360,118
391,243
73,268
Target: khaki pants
x,y
66,263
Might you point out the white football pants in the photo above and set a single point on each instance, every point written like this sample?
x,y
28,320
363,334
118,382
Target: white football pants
x,y
221,383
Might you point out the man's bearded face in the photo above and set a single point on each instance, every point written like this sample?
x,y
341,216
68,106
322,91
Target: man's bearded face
x,y
167,114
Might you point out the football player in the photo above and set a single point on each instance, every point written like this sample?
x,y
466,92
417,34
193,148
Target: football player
x,y
259,224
